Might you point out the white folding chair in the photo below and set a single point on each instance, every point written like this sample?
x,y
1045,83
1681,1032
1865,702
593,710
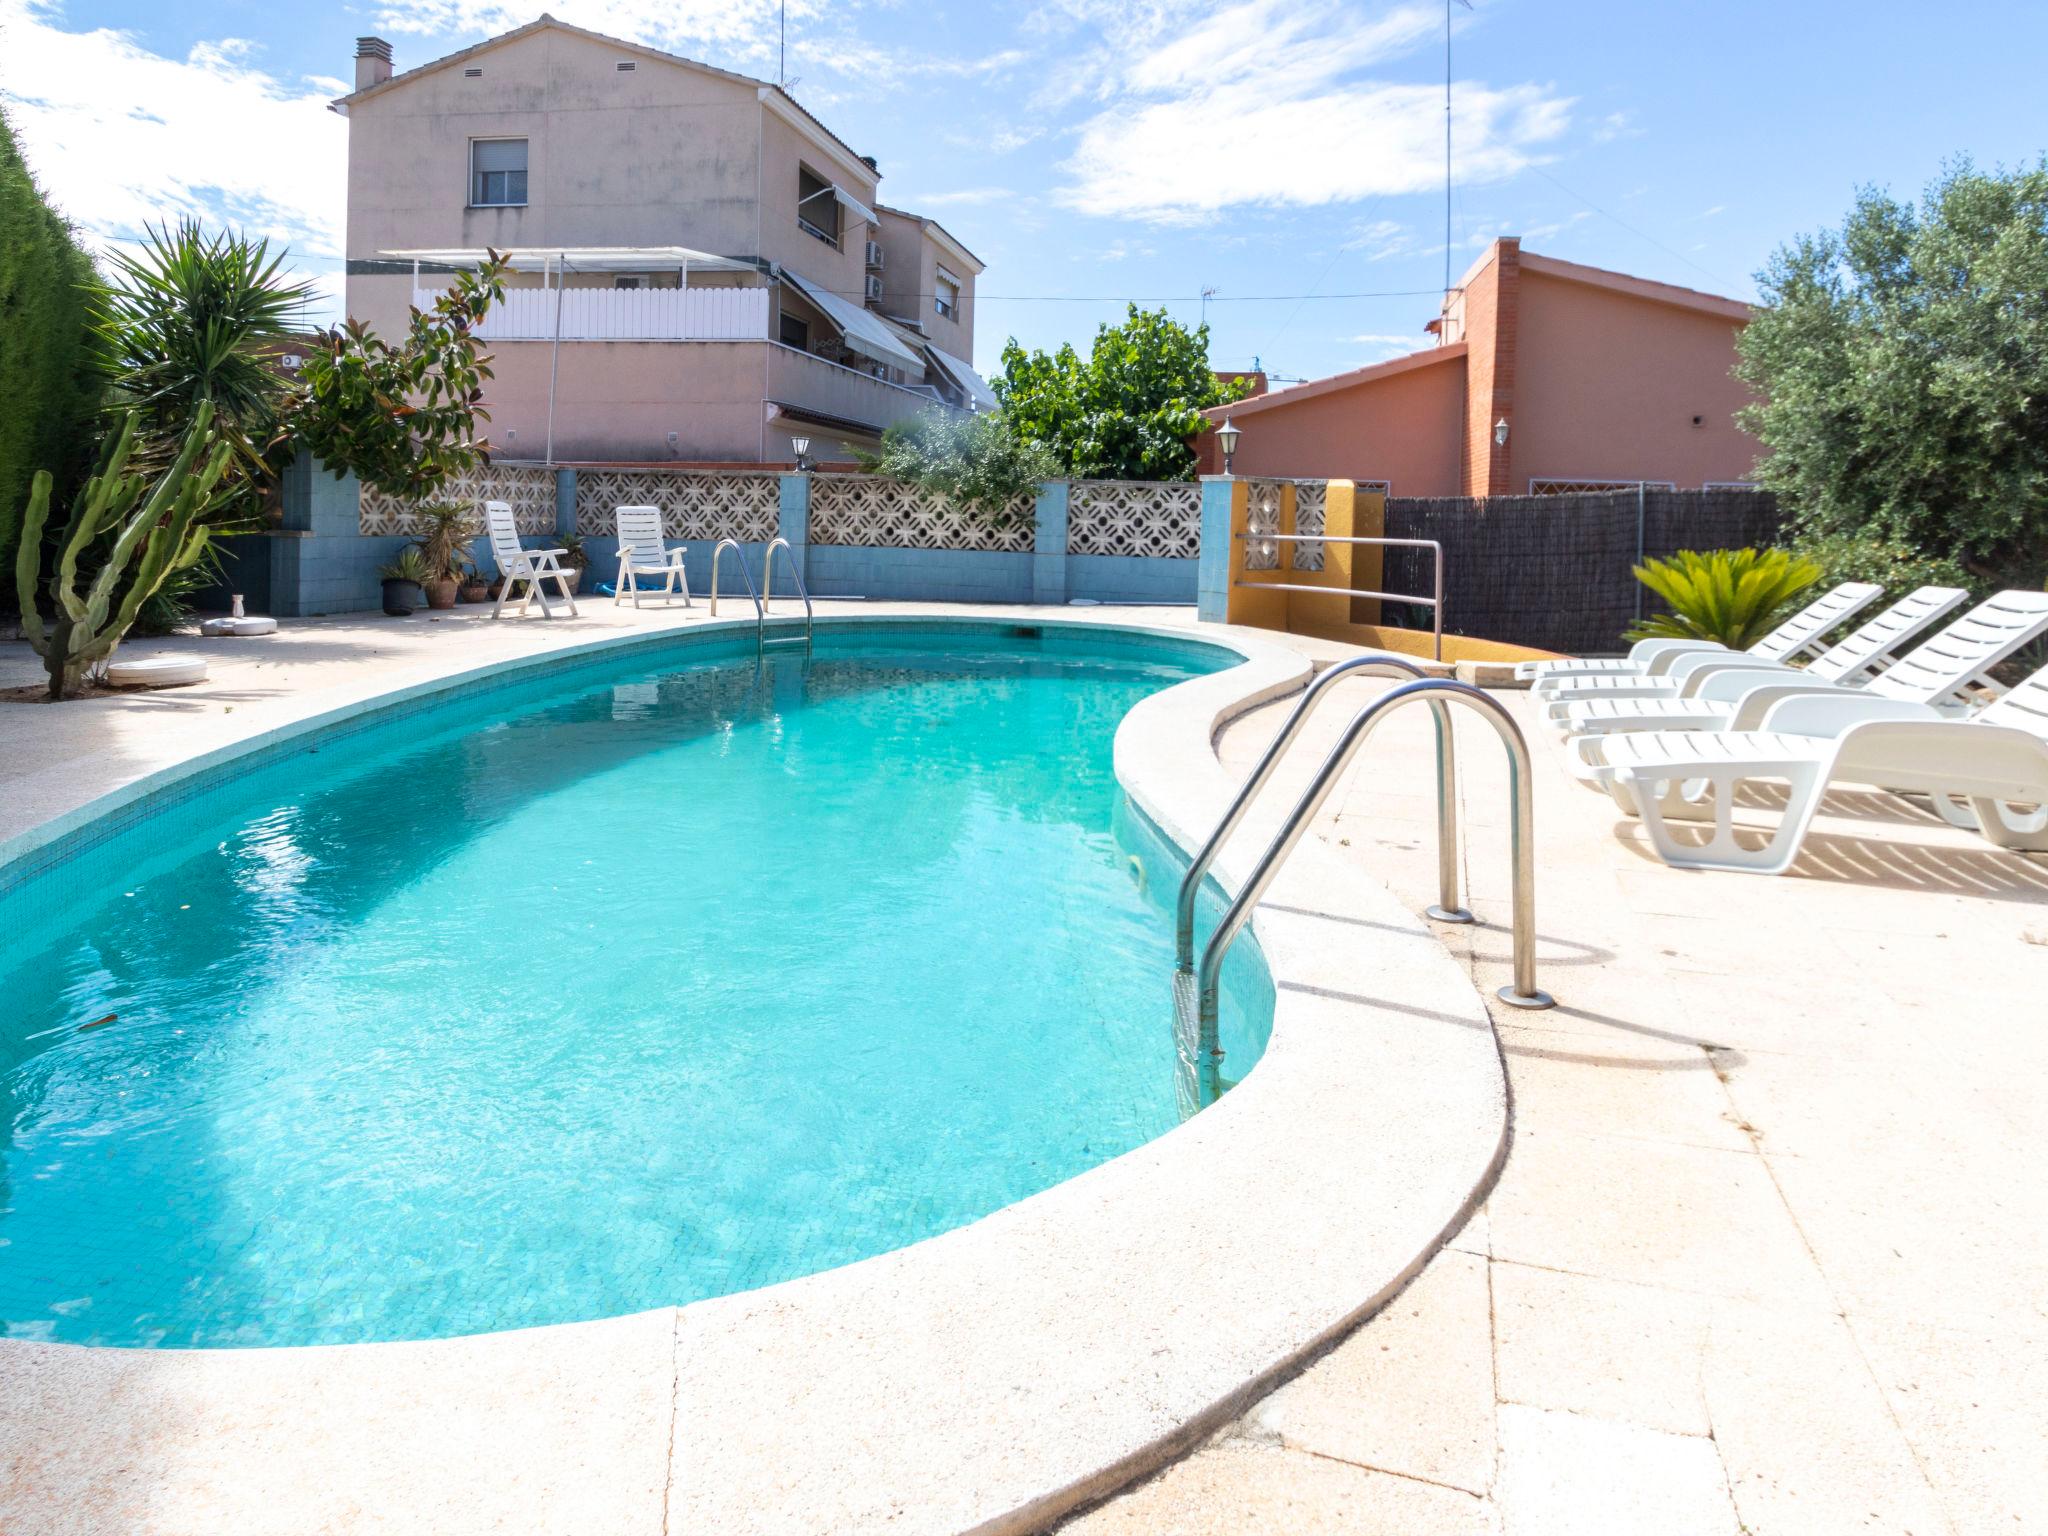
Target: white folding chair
x,y
642,553
517,564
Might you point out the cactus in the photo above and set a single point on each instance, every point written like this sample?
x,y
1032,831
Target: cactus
x,y
158,527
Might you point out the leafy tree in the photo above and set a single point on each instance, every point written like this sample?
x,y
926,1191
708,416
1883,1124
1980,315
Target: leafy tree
x,y
1126,412
1902,364
49,392
975,462
402,417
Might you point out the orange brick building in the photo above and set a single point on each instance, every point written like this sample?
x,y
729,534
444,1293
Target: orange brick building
x,y
1600,379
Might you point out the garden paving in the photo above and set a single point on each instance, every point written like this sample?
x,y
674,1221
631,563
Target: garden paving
x,y
1768,1253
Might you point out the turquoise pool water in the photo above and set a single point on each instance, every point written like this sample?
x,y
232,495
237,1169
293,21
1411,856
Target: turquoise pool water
x,y
634,984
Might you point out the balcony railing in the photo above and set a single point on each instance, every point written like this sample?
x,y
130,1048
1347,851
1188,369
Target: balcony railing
x,y
624,314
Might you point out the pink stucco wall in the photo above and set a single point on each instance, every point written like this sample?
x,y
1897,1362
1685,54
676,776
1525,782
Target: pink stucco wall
x,y
1598,375
1401,429
619,400
1608,386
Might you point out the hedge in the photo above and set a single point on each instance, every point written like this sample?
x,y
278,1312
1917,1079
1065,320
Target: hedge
x,y
49,390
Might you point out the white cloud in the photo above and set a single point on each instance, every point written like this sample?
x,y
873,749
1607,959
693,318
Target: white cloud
x,y
1263,103
120,136
1616,125
965,197
734,31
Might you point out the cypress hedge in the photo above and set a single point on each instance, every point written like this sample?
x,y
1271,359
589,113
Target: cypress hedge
x,y
49,388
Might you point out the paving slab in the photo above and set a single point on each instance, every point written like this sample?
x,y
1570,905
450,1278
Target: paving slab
x,y
1563,1474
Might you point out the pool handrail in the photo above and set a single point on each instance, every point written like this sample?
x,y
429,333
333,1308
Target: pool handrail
x,y
1521,993
768,585
1377,664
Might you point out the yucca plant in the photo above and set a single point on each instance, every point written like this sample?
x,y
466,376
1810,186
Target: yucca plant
x,y
1733,596
191,316
138,529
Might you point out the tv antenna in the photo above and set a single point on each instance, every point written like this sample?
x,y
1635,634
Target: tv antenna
x,y
1208,293
1447,138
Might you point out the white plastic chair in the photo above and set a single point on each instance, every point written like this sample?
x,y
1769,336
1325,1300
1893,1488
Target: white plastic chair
x,y
642,553
517,564
1804,631
1702,692
1988,774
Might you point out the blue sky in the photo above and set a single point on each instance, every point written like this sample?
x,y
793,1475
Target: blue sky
x,y
1092,151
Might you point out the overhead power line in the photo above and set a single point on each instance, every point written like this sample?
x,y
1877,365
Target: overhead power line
x,y
1217,298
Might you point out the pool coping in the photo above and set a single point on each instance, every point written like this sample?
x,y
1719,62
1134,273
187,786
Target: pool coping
x,y
987,1379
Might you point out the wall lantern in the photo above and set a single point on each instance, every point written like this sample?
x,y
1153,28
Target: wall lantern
x,y
1500,433
1226,439
801,447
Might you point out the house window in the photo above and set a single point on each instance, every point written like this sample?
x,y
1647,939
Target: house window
x,y
627,282
817,207
795,333
947,299
497,173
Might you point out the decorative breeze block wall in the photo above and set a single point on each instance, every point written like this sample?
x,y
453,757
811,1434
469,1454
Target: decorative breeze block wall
x,y
1262,507
701,505
870,512
1311,505
1134,517
531,493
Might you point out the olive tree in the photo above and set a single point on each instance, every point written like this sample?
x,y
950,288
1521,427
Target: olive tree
x,y
1901,364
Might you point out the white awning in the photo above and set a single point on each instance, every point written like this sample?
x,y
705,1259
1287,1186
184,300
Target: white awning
x,y
962,373
589,258
863,331
846,200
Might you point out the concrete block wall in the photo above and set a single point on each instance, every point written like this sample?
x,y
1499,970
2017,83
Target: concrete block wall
x,y
320,562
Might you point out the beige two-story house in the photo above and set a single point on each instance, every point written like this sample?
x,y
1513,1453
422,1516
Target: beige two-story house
x,y
703,271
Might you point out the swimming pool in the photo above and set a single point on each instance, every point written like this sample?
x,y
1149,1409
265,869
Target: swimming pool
x,y
644,981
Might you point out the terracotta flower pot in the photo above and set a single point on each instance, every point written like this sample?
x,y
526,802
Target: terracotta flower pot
x,y
475,592
441,594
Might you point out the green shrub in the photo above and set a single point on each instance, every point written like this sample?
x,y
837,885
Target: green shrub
x,y
975,462
1897,567
49,392
1733,596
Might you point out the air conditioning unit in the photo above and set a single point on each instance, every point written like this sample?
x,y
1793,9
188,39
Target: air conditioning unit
x,y
875,254
874,288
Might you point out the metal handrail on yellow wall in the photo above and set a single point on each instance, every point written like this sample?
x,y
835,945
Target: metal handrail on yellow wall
x,y
1434,603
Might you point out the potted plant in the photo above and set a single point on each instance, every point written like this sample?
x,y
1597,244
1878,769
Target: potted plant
x,y
404,580
575,558
445,529
474,588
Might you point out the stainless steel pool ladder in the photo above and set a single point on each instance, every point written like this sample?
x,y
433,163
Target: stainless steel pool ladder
x,y
1196,989
763,596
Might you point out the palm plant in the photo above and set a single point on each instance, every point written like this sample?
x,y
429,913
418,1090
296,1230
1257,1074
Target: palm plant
x,y
1732,596
193,317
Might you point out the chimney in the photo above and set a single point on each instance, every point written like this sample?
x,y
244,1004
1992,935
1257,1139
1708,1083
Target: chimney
x,y
373,62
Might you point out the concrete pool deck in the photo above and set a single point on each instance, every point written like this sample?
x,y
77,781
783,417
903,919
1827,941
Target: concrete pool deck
x,y
1767,1253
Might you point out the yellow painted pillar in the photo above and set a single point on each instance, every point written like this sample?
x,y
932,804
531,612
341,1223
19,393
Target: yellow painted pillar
x,y
1368,513
1264,610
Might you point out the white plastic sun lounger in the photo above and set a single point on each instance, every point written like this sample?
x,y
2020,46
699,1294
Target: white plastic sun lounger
x,y
1802,632
642,552
517,564
1706,689
1937,677
1988,775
